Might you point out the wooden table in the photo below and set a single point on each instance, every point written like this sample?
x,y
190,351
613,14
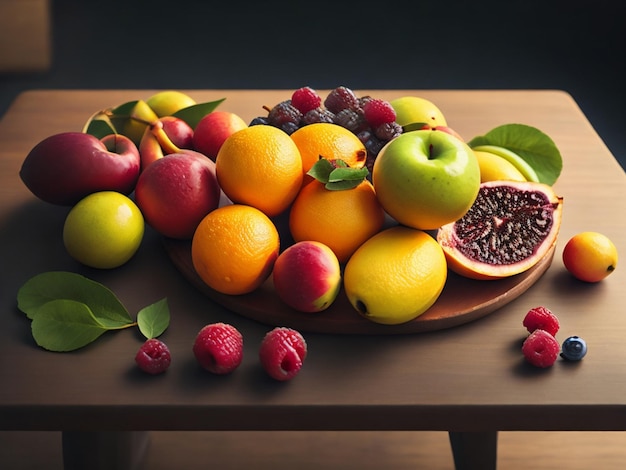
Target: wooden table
x,y
470,381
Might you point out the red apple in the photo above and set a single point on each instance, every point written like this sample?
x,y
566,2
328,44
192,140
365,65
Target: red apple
x,y
175,193
64,168
167,135
213,129
307,276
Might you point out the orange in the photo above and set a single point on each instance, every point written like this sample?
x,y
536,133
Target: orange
x,y
260,166
330,141
342,220
234,248
590,256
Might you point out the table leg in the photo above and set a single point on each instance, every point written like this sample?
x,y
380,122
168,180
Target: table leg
x,y
474,450
104,450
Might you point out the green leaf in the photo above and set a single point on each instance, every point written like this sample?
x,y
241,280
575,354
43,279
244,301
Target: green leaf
x,y
194,113
65,325
337,175
62,285
342,185
414,126
321,170
154,319
99,126
348,174
533,145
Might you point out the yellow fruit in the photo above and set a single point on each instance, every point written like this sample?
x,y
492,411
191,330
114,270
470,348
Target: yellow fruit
x,y
396,275
342,220
140,116
260,166
590,256
166,103
330,141
496,168
103,230
414,109
234,249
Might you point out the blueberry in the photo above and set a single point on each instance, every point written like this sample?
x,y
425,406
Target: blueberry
x,y
574,348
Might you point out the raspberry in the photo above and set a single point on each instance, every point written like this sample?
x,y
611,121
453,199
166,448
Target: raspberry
x,y
282,353
378,112
153,357
218,348
305,99
341,98
541,349
541,318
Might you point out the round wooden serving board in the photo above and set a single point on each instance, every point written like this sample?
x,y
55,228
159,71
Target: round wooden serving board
x,y
462,300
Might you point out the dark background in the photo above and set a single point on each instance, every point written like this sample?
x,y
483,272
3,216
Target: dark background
x,y
576,46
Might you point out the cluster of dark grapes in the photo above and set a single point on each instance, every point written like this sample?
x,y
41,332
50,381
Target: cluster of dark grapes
x,y
372,120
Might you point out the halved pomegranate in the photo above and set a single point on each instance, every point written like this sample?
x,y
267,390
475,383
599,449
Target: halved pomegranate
x,y
508,229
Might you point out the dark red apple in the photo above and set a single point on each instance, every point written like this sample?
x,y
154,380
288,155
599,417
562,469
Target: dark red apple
x,y
64,168
175,192
213,129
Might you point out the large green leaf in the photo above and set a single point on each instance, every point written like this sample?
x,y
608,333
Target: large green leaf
x,y
531,144
194,113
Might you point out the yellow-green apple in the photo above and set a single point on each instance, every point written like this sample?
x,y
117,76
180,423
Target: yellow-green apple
x,y
166,135
65,167
307,276
140,117
168,102
175,192
425,179
213,129
415,109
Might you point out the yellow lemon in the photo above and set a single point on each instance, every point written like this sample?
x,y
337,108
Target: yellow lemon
x,y
414,109
396,275
495,168
168,102
103,230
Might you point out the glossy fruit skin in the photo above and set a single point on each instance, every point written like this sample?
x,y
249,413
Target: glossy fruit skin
x,y
573,348
590,256
153,357
307,276
495,168
168,102
213,130
218,348
395,276
415,109
537,198
166,136
541,349
282,353
64,168
170,207
425,179
103,230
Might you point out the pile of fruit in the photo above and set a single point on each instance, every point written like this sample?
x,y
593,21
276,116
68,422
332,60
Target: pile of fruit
x,y
363,182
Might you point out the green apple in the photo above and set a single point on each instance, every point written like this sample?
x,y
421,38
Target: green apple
x,y
168,102
425,179
414,109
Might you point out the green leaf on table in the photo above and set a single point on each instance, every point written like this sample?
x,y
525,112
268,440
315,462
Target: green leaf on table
x,y
154,319
63,325
194,113
531,144
56,285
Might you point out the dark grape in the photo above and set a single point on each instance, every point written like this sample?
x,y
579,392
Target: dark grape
x,y
388,131
351,120
284,112
318,115
341,98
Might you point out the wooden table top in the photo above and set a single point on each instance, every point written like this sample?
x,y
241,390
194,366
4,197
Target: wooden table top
x,y
468,378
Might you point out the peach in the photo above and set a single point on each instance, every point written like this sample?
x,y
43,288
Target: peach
x,y
213,129
307,276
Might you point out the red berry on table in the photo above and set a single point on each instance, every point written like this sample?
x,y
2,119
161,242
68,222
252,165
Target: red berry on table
x,y
153,357
218,348
541,318
378,112
282,353
305,99
541,349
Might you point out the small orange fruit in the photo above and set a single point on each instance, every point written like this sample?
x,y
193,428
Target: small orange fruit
x,y
329,141
260,166
342,220
234,249
590,256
